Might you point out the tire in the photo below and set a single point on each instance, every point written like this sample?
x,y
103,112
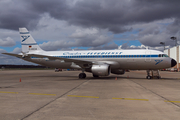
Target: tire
x,y
82,75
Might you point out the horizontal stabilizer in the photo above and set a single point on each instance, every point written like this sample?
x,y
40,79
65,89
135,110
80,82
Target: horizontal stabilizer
x,y
12,54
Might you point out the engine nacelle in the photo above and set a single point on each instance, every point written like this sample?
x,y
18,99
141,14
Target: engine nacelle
x,y
101,70
118,71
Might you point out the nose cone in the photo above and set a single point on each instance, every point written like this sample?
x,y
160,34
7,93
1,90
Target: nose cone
x,y
173,63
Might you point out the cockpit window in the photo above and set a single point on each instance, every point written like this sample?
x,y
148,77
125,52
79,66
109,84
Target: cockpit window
x,y
163,55
166,55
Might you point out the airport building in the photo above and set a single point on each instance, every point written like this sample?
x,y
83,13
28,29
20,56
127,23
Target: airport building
x,y
175,54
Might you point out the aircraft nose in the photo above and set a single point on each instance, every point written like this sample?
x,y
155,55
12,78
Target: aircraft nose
x,y
173,63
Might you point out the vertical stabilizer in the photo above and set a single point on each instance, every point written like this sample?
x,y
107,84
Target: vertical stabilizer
x,y
27,41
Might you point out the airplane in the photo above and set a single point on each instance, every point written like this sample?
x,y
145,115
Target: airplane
x,y
97,62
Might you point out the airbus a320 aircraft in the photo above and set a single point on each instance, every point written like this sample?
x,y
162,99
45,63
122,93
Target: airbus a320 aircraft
x,y
98,62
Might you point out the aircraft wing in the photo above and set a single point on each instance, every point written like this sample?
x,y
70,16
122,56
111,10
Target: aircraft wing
x,y
49,57
60,58
82,63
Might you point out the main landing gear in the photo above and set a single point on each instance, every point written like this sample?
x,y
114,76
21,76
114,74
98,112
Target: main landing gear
x,y
153,74
82,75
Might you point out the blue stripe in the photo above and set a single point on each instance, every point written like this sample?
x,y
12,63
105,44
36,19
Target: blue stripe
x,y
29,44
24,32
110,56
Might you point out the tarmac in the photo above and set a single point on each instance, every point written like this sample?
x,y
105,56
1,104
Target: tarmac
x,y
49,95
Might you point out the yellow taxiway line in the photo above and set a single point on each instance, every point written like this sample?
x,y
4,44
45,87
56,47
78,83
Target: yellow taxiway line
x,y
172,101
82,96
131,99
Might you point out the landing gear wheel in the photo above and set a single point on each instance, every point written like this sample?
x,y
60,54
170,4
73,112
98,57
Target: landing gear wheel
x,y
95,76
82,75
158,77
148,77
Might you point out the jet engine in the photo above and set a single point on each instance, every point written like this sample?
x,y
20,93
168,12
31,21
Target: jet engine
x,y
101,70
118,71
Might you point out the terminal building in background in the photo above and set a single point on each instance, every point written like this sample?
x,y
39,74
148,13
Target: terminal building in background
x,y
175,54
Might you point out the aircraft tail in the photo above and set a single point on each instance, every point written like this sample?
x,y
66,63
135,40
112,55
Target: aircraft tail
x,y
27,41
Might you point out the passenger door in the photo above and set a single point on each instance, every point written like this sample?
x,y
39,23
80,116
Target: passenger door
x,y
147,56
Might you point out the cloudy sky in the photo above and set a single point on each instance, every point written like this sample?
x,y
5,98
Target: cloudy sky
x,y
88,24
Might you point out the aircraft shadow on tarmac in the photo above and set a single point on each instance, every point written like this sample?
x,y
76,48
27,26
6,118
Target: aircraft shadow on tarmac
x,y
71,78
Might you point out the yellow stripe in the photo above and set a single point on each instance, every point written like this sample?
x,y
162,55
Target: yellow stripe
x,y
131,99
172,101
9,92
42,94
82,96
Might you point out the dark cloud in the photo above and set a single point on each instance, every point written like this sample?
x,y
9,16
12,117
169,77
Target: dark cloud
x,y
7,42
14,15
153,34
113,15
174,28
86,38
125,46
105,47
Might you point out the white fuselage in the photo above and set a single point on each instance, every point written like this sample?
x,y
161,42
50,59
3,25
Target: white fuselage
x,y
118,59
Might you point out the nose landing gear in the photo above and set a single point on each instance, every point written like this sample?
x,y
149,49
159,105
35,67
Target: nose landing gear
x,y
153,74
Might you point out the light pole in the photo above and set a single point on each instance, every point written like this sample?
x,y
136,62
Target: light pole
x,y
163,43
177,51
175,39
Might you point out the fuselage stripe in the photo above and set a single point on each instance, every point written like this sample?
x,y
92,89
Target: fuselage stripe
x,y
108,56
24,32
29,44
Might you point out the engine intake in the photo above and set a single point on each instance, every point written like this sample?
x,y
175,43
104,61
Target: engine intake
x,y
100,70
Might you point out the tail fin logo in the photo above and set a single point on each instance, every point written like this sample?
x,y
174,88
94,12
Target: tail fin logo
x,y
24,38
